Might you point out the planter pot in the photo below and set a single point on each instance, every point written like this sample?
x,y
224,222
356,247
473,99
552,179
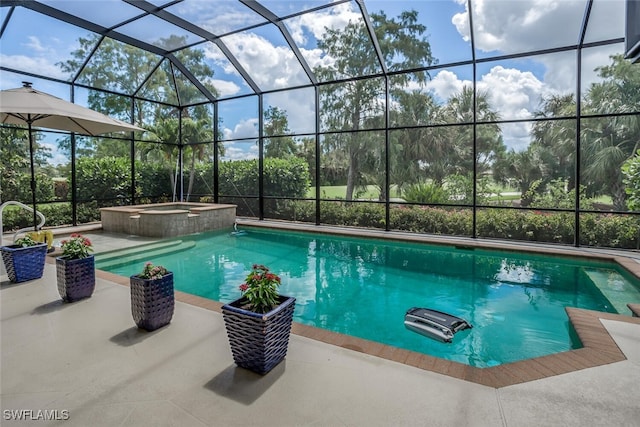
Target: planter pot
x,y
24,264
152,301
258,341
76,277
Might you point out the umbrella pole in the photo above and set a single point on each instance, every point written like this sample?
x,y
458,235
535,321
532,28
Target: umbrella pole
x,y
33,177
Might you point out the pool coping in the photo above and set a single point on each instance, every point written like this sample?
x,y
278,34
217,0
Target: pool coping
x,y
598,349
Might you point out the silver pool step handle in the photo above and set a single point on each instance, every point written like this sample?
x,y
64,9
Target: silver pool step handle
x,y
22,205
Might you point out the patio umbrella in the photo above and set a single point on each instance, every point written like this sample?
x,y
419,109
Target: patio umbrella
x,y
28,106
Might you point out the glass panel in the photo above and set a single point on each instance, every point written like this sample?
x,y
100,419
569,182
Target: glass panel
x,y
238,118
198,173
433,24
353,214
413,105
112,11
16,171
240,150
160,33
432,165
45,48
217,73
606,143
290,210
217,17
187,92
294,108
197,124
267,58
506,27
103,172
335,42
617,231
515,89
352,105
607,20
526,225
160,86
117,67
238,177
116,106
156,173
286,8
610,84
536,170
432,220
333,167
352,166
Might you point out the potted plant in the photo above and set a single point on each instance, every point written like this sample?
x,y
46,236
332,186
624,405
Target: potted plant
x,y
75,269
24,260
152,299
259,322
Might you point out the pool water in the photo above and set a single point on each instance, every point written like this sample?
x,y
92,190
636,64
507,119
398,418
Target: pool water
x,y
363,287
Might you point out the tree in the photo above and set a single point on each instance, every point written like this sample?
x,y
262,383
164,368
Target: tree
x,y
631,173
353,104
608,143
488,139
15,174
555,140
276,127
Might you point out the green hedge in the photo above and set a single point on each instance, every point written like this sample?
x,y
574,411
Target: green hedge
x,y
604,230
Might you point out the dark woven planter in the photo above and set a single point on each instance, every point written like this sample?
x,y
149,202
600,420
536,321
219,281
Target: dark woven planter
x,y
152,301
76,277
258,341
24,264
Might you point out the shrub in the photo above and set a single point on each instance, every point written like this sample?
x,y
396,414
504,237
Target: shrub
x,y
282,178
425,193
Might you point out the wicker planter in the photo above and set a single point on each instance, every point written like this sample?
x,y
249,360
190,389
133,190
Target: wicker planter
x,y
76,277
152,301
24,264
258,341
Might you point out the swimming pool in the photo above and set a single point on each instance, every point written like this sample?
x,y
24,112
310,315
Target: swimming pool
x,y
363,287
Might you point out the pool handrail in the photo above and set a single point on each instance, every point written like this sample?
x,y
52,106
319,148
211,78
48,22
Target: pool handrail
x,y
22,205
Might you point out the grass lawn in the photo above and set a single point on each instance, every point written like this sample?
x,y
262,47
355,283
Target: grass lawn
x,y
340,191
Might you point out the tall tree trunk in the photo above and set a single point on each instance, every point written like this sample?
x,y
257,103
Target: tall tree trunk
x,y
192,172
351,173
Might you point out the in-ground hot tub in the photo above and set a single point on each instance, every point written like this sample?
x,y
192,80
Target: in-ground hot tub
x,y
167,219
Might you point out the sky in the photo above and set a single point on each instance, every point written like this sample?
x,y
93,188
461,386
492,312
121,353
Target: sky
x,y
516,87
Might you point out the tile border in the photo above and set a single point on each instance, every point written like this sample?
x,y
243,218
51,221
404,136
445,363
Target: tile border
x,y
599,348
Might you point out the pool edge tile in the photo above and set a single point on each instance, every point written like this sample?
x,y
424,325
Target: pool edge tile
x,y
598,349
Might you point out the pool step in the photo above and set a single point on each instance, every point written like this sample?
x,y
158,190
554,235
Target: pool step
x,y
615,288
141,254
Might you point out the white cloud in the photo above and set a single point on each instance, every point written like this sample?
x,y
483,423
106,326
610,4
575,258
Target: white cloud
x,y
225,87
515,26
513,93
270,66
35,45
40,65
243,129
316,23
240,151
445,84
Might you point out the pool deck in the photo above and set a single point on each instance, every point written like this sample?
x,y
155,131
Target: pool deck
x,y
89,359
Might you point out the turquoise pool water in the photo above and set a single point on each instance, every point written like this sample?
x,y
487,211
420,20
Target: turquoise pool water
x,y
363,287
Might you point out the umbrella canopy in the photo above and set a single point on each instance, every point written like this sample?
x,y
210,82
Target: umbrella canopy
x,y
28,106
25,104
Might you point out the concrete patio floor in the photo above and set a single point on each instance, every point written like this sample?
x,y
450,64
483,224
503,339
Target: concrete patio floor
x,y
86,361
